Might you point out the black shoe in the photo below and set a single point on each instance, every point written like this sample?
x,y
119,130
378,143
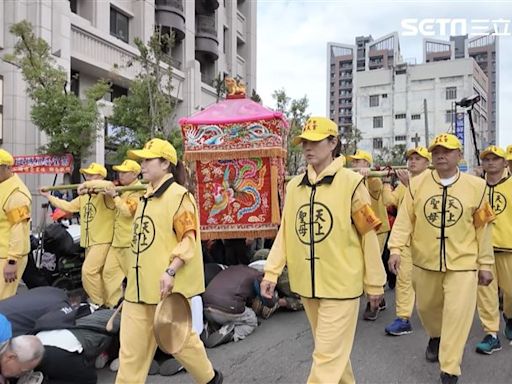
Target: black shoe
x,y
222,336
446,378
369,314
217,379
432,352
382,305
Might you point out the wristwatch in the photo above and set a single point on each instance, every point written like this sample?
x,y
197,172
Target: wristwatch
x,y
11,262
170,271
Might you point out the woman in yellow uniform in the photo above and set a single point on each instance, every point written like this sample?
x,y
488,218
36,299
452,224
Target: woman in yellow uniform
x,y
363,161
166,256
499,185
444,218
418,160
97,212
126,203
15,204
328,241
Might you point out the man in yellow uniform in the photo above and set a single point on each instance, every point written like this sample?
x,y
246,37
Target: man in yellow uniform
x,y
363,161
418,160
327,240
444,217
499,185
15,203
97,213
115,268
509,158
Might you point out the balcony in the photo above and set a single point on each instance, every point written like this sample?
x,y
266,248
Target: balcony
x,y
207,45
206,7
169,13
240,27
240,67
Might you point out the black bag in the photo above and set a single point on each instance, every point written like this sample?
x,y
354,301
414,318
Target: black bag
x,y
58,241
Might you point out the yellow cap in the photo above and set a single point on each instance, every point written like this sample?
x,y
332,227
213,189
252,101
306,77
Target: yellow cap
x,y
317,129
154,149
500,152
509,152
95,169
445,140
6,158
361,155
127,166
422,151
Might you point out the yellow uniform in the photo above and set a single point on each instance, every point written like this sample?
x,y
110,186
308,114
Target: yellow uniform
x,y
446,226
163,216
97,212
15,203
115,268
327,239
375,188
488,304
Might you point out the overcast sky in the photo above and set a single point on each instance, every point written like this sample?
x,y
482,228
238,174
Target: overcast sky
x,y
293,36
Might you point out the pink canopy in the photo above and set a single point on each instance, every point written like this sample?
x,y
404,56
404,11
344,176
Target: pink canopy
x,y
232,111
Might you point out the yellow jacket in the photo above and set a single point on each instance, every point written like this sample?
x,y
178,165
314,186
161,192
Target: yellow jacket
x,y
126,206
393,197
446,225
15,203
163,216
333,209
97,213
500,198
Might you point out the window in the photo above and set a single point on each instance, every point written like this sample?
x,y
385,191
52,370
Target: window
x,y
377,122
115,92
384,95
377,143
374,100
448,116
75,83
451,93
416,117
400,116
224,39
401,138
118,24
73,4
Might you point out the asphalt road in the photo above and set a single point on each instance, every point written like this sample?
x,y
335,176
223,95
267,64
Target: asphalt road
x,y
279,351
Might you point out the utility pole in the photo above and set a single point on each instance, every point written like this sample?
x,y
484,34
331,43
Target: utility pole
x,y
416,140
425,112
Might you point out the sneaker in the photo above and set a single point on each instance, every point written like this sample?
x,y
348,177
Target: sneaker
x,y
399,327
508,329
446,378
101,360
154,368
489,345
369,314
114,365
432,352
31,378
382,305
293,304
217,379
257,306
222,336
170,367
266,312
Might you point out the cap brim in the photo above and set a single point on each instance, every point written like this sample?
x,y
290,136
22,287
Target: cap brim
x,y
485,153
138,154
411,151
120,168
309,136
88,171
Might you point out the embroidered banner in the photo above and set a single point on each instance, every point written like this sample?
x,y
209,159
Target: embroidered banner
x,y
43,164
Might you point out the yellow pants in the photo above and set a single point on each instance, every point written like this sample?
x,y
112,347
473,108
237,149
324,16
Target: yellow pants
x,y
404,292
113,275
92,269
9,289
488,302
138,346
446,305
333,324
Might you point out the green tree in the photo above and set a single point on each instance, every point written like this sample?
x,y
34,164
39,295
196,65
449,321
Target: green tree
x,y
255,97
391,156
71,124
220,86
295,111
350,138
148,109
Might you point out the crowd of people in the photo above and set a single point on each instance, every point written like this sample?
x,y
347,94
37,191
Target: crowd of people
x,y
435,234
